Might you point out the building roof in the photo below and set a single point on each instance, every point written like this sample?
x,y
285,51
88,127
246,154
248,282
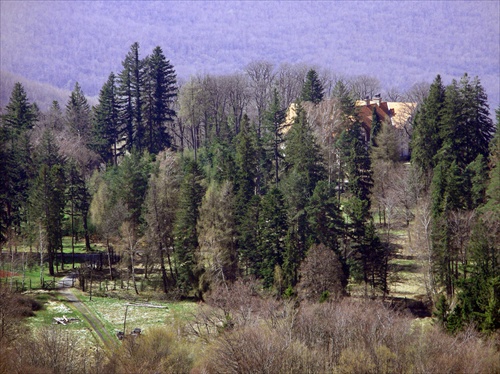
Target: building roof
x,y
394,113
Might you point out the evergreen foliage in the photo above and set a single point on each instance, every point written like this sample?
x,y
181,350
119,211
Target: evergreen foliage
x,y
272,230
48,196
105,125
313,88
16,166
427,138
78,114
186,234
270,210
160,92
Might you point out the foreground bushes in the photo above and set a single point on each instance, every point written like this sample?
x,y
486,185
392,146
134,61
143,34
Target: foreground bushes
x,y
239,330
350,336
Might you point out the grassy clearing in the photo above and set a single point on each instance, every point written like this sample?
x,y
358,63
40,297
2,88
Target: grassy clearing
x,y
54,308
408,280
31,276
79,246
112,312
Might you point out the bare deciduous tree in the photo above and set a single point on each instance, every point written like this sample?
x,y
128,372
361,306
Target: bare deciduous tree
x,y
261,75
321,275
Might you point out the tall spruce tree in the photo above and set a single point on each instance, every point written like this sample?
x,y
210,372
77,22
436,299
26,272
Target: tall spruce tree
x,y
313,88
16,167
304,169
273,137
466,126
105,125
78,114
246,199
357,163
130,86
272,230
78,198
186,233
48,197
427,138
160,91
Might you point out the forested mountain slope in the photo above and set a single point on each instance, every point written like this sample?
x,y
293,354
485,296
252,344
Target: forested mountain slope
x,y
400,43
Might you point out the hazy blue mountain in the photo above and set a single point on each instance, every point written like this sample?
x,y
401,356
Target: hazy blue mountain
x,y
401,43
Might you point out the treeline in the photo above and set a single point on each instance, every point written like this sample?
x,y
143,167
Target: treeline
x,y
266,174
456,147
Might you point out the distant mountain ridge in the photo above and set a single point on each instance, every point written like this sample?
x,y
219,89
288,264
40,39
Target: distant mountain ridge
x,y
400,43
41,93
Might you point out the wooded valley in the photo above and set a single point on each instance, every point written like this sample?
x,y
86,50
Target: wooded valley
x,y
273,200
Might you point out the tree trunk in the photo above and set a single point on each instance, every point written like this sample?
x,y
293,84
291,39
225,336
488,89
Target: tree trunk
x,y
109,259
86,230
163,270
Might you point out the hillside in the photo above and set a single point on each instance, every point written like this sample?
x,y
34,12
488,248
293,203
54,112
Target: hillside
x,y
63,42
41,93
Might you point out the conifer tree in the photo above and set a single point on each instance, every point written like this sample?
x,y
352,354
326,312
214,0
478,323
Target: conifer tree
x,y
356,160
48,197
304,169
160,92
16,169
78,114
130,87
78,198
105,125
324,217
272,226
130,185
427,138
273,137
186,233
341,92
466,128
313,88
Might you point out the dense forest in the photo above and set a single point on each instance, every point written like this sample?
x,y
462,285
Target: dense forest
x,y
265,177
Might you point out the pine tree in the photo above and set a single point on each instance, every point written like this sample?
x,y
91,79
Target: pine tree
x,y
466,126
273,137
246,164
476,180
16,169
304,169
357,164
324,217
160,92
186,234
130,91
272,226
341,92
48,197
78,114
105,125
131,184
303,154
313,88
78,197
427,138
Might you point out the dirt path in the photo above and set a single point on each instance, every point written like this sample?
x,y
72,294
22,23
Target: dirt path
x,y
65,290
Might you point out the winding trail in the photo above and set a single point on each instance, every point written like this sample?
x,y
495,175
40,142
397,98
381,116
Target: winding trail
x,y
64,287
